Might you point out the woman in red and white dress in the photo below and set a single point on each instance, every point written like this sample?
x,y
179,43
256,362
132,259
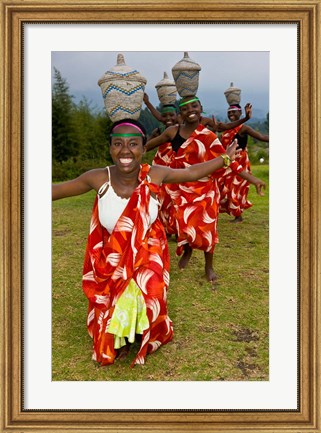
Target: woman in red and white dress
x,y
196,203
233,188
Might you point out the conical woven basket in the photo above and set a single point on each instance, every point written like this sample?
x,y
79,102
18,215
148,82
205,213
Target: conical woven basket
x,y
233,95
166,90
186,76
123,90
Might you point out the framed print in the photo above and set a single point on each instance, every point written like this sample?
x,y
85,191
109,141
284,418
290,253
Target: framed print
x,y
289,400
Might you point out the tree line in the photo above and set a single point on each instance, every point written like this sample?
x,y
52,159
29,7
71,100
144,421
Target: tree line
x,y
80,135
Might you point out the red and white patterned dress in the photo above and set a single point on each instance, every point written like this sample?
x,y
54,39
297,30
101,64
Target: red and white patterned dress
x,y
134,250
233,188
197,203
164,156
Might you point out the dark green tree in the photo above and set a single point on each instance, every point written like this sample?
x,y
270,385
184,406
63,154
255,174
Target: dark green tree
x,y
91,131
64,143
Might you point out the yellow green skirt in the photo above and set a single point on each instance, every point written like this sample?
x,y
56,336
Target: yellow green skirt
x,y
129,317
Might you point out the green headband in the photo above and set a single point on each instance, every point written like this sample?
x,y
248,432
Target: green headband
x,y
126,135
189,101
168,110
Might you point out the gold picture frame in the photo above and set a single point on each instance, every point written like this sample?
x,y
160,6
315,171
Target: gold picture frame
x,y
307,15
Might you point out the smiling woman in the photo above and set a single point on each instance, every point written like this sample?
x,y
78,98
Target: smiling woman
x,y
194,208
126,268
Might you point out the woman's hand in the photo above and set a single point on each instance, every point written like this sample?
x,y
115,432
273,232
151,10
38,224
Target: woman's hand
x,y
231,150
145,98
259,184
248,110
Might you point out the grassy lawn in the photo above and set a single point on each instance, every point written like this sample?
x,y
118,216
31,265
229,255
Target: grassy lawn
x,y
220,334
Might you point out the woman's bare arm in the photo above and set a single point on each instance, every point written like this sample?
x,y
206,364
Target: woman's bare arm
x,y
162,174
151,108
164,137
77,186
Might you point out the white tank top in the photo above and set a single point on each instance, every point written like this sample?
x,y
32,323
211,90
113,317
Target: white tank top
x,y
110,214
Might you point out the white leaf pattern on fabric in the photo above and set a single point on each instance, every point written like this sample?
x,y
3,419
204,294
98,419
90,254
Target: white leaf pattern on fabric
x,y
90,316
105,356
142,279
201,148
216,142
206,218
208,236
100,321
132,243
140,360
164,294
93,224
211,195
113,258
102,299
191,232
168,324
184,188
188,211
200,198
174,194
155,345
166,277
236,181
157,259
89,276
154,306
153,242
146,221
107,325
233,195
146,338
118,273
99,245
124,224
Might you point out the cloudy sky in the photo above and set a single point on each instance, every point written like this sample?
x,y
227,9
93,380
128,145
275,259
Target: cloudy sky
x,y
249,71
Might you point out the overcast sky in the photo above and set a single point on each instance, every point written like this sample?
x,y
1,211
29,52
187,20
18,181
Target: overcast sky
x,y
249,71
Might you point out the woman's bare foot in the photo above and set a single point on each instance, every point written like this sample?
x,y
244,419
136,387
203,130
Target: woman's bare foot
x,y
238,219
210,274
209,270
183,262
123,352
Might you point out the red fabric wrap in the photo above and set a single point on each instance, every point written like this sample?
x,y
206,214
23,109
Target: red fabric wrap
x,y
233,188
135,250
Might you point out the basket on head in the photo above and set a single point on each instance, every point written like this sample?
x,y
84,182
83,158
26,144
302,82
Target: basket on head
x,y
166,90
186,76
233,95
123,91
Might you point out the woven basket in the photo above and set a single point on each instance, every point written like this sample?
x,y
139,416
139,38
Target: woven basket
x,y
123,90
233,95
186,76
166,90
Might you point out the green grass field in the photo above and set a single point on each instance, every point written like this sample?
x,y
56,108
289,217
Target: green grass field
x,y
220,334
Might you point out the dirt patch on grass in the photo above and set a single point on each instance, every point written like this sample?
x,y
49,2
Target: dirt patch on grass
x,y
60,232
245,335
247,368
